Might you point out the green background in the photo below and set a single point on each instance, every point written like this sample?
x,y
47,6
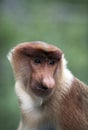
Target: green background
x,y
60,22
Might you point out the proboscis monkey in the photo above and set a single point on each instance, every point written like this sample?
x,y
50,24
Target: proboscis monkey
x,y
50,97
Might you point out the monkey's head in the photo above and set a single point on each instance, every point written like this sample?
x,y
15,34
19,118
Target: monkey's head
x,y
35,64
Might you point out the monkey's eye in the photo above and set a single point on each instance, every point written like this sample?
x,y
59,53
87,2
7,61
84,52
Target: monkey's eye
x,y
37,61
52,62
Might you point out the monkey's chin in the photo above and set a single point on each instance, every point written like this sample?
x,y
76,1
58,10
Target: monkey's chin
x,y
42,93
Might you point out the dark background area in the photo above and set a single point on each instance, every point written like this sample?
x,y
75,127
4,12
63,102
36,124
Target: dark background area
x,y
60,22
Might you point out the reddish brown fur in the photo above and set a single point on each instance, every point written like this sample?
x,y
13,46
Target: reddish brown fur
x,y
74,108
64,106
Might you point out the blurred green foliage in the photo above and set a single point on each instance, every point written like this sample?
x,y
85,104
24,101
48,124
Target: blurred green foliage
x,y
60,22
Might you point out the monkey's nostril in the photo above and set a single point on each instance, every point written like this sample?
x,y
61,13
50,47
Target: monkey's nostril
x,y
42,87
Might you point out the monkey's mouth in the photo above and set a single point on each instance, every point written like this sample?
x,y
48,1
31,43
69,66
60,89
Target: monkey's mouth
x,y
41,90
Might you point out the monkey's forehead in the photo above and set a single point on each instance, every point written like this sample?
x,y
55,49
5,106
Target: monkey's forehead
x,y
31,48
37,45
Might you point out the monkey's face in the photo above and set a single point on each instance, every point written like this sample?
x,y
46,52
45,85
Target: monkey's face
x,y
43,70
36,65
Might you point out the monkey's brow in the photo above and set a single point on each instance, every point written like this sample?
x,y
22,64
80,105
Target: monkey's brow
x,y
34,52
54,55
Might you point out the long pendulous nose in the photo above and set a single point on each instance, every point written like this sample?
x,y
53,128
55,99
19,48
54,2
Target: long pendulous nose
x,y
45,87
48,82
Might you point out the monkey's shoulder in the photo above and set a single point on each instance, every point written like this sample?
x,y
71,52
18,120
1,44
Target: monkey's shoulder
x,y
78,93
74,107
80,88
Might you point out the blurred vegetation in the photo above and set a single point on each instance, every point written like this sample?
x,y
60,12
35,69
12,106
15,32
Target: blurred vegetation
x,y
60,22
